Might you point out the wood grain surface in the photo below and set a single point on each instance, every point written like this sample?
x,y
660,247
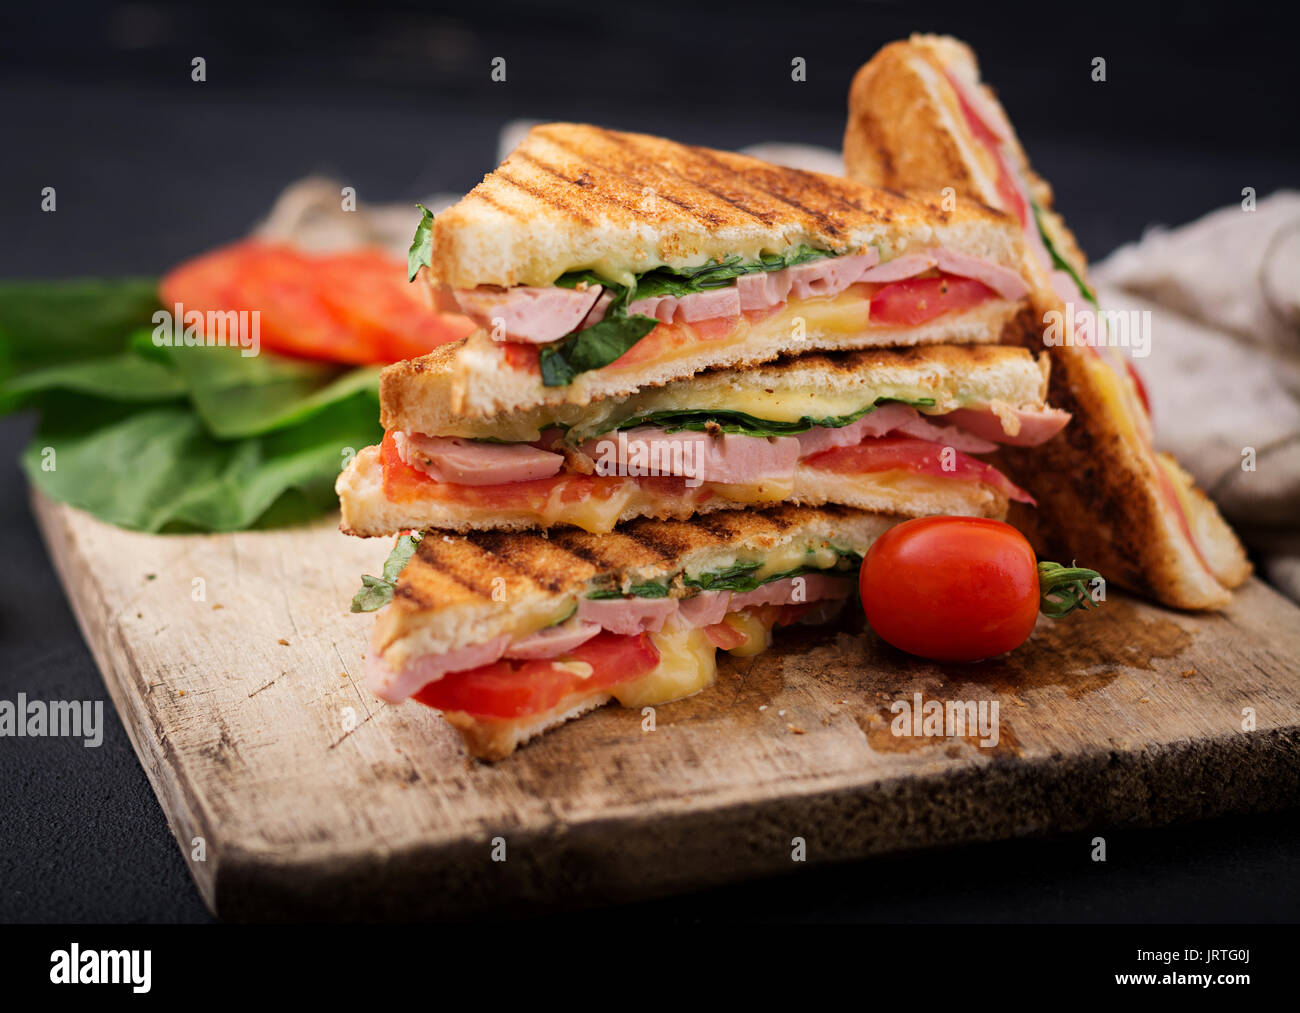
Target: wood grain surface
x,y
237,670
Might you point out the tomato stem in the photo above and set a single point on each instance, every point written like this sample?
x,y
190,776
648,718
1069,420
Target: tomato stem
x,y
1062,589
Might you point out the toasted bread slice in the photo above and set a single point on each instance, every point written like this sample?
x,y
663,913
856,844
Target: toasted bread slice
x,y
461,590
574,196
412,394
1105,497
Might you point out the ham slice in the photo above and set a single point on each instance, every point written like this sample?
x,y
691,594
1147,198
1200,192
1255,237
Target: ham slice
x,y
729,457
394,685
900,268
706,609
829,277
1004,281
1031,427
540,314
812,587
628,616
710,305
469,462
876,422
553,641
528,313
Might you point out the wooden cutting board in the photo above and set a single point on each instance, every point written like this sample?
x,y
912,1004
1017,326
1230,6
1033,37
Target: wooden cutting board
x,y
237,670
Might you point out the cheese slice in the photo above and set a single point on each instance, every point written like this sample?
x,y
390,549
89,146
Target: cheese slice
x,y
688,663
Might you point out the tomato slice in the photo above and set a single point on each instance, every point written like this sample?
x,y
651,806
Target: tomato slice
x,y
919,300
1012,198
353,307
515,689
920,457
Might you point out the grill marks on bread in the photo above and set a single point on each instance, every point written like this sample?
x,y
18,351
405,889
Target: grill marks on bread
x,y
495,566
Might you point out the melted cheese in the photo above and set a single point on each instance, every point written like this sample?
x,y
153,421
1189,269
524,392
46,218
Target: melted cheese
x,y
790,557
687,664
757,633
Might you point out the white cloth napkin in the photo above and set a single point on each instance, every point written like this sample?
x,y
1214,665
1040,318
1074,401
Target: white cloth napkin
x,y
1224,368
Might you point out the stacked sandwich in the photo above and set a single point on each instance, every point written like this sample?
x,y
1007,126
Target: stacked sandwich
x,y
702,385
920,117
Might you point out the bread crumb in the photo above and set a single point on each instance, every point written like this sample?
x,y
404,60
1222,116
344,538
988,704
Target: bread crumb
x,y
1145,699
763,707
283,641
180,692
215,607
1188,673
796,729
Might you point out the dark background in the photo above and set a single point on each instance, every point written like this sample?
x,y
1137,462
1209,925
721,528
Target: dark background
x,y
396,100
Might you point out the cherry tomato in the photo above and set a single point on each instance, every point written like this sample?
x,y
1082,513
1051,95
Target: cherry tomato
x,y
951,588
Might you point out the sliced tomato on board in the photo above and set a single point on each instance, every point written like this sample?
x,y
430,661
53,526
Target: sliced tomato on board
x,y
515,689
919,300
355,307
919,457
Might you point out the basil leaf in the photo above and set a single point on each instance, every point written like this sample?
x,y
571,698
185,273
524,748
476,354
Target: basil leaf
x,y
421,251
651,589
722,420
591,348
373,595
599,345
376,592
1059,262
739,577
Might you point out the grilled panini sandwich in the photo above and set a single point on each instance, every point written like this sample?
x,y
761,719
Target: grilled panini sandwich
x,y
511,633
920,118
598,263
890,430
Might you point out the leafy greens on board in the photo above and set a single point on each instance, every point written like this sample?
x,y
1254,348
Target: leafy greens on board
x,y
171,438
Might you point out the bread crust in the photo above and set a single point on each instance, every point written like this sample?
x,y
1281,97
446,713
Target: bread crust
x,y
1099,491
574,196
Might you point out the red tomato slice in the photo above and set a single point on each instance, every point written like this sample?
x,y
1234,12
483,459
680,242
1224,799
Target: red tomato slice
x,y
516,689
521,356
724,636
920,457
1141,387
919,300
353,307
1012,199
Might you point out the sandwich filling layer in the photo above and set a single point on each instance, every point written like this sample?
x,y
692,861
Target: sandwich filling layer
x,y
673,462
585,323
1112,371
